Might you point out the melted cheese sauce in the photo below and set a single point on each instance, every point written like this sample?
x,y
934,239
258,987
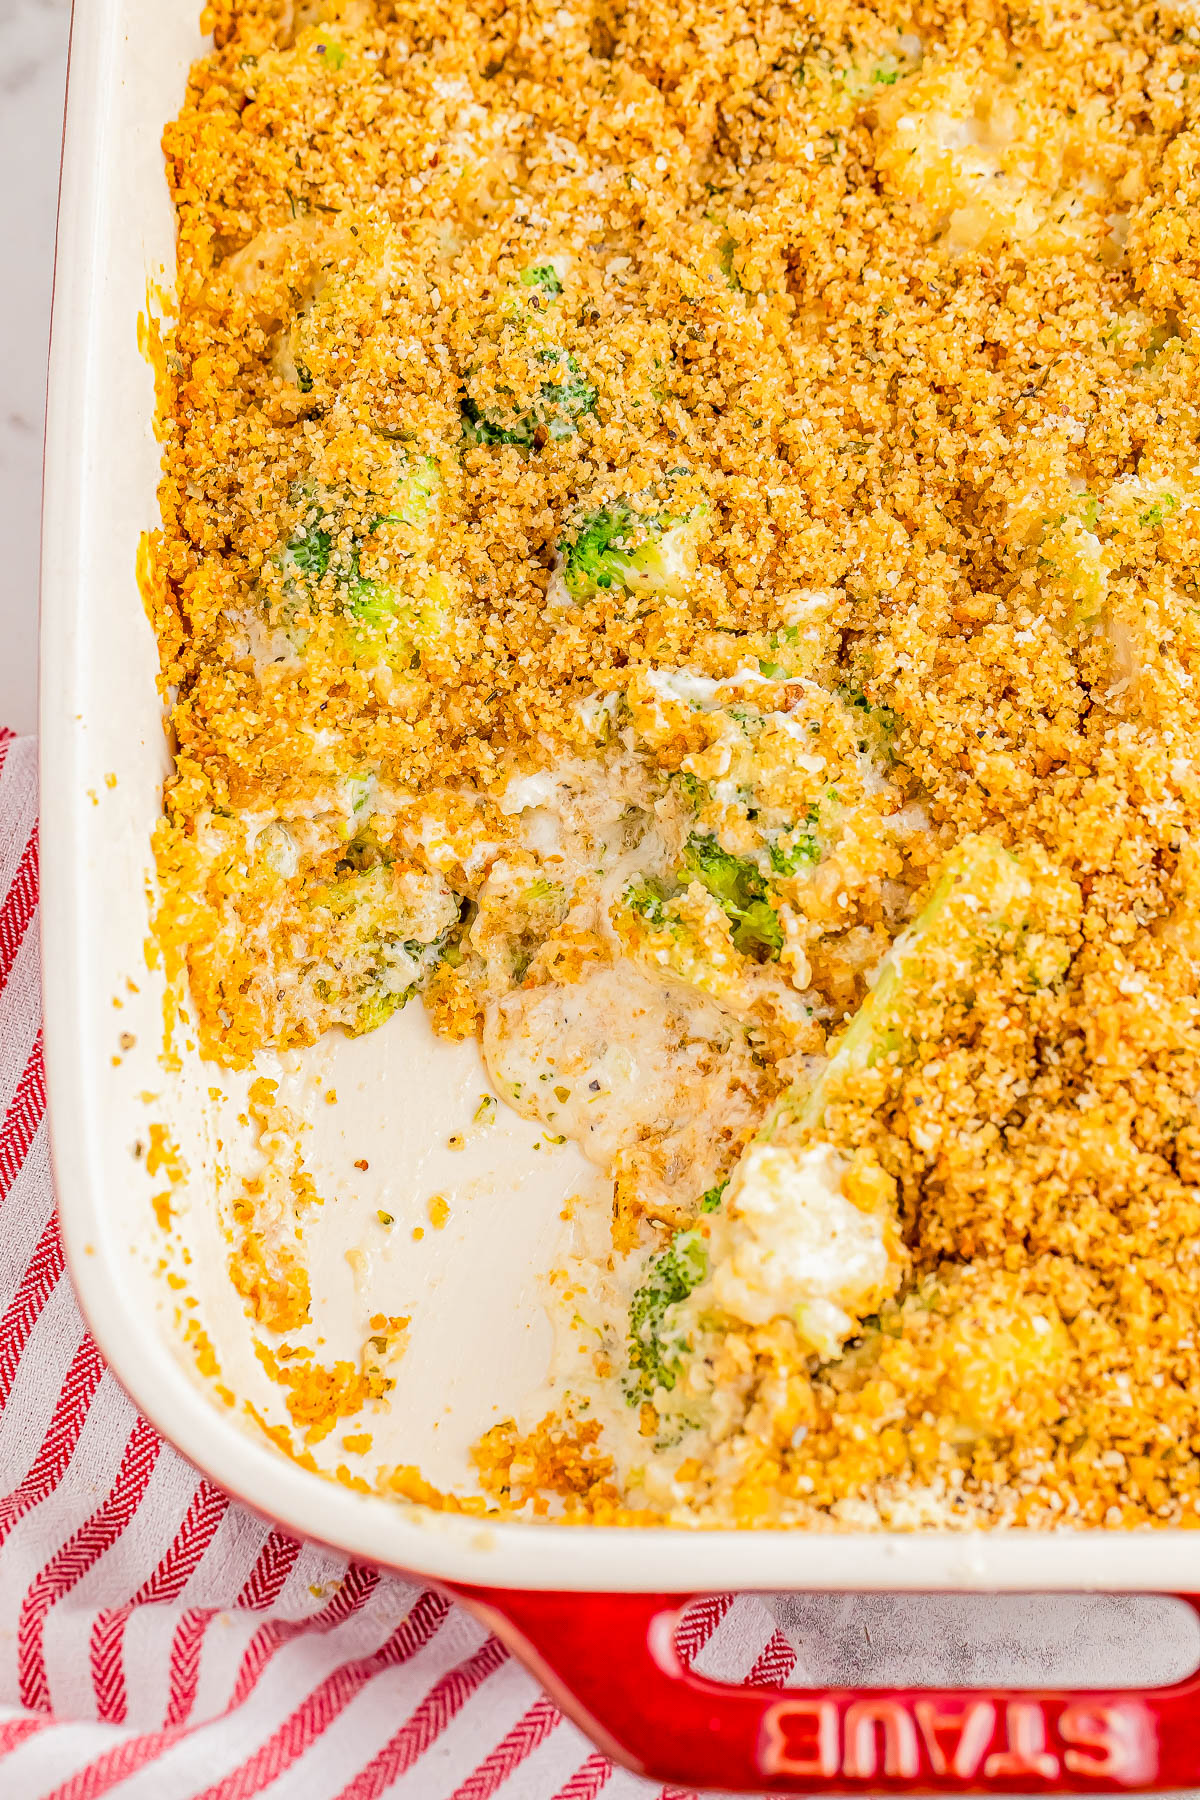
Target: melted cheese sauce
x,y
789,1243
627,1066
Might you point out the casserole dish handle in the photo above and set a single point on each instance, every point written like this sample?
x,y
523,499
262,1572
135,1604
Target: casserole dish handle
x,y
611,1663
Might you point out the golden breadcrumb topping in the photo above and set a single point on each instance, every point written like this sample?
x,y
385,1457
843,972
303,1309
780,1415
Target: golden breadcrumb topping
x,y
772,429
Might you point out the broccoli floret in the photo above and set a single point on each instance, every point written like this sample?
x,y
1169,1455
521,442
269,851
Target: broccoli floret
x,y
646,898
542,888
371,604
376,619
557,409
479,429
309,550
758,932
1154,515
1072,565
599,558
655,1352
375,1012
802,853
732,880
417,496
710,1201
366,969
697,792
353,887
385,624
561,403
739,889
645,553
797,849
544,277
734,883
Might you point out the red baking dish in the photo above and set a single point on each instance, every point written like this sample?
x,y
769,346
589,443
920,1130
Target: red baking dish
x,y
592,1610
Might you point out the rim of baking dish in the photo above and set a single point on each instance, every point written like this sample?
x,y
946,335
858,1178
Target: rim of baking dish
x,y
446,1546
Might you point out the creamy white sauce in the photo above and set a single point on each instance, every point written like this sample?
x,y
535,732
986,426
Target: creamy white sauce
x,y
788,1243
805,604
585,814
274,649
701,691
539,789
614,1057
596,713
801,731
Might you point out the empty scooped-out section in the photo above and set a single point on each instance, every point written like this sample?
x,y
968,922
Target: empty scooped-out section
x,y
435,1218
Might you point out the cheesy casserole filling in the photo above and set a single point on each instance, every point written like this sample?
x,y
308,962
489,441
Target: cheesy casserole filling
x,y
680,554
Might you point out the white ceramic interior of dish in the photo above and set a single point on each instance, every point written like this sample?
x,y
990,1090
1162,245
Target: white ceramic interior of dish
x,y
480,1337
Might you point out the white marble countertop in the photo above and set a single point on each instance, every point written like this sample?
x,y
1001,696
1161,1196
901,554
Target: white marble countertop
x,y
33,63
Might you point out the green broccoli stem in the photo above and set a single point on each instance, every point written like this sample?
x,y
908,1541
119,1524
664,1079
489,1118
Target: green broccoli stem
x,y
982,889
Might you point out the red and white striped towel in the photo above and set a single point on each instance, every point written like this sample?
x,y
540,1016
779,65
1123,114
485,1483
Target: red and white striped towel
x,y
159,1643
